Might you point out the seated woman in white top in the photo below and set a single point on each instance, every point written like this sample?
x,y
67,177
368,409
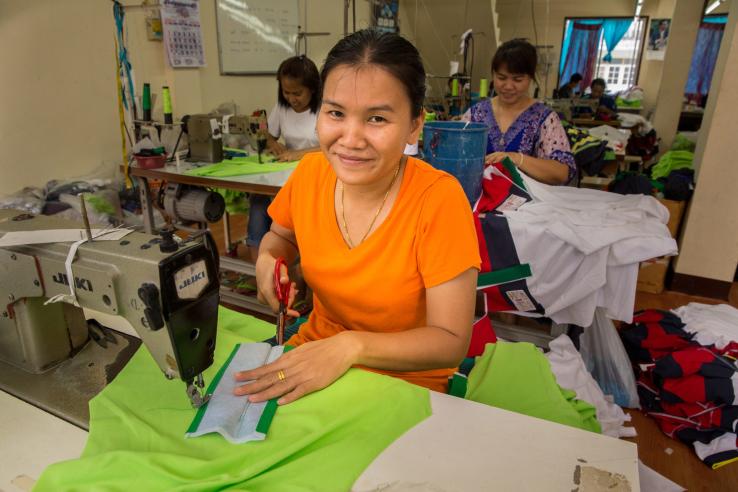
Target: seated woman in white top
x,y
293,119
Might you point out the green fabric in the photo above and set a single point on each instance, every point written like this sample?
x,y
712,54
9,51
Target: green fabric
x,y
457,386
239,166
517,377
504,275
671,161
513,170
323,441
628,103
683,143
609,155
236,201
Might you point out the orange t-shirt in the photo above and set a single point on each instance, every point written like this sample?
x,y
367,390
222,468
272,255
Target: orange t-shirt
x,y
379,286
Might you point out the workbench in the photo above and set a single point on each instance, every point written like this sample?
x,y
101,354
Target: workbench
x,y
463,446
264,184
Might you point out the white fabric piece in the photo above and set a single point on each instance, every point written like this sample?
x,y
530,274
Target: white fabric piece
x,y
712,325
297,129
726,442
613,136
584,247
652,481
568,367
630,120
231,416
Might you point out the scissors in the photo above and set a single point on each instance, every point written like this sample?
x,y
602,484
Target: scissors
x,y
283,296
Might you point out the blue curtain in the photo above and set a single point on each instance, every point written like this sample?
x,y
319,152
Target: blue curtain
x,y
579,49
704,57
613,31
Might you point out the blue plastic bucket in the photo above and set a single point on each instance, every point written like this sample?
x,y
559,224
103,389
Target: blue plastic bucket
x,y
458,148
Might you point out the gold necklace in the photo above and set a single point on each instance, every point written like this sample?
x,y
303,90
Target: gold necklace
x,y
381,206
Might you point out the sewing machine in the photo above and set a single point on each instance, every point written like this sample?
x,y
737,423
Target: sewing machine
x,y
166,290
205,132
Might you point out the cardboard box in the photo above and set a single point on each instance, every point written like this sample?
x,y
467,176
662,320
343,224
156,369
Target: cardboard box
x,y
676,211
652,274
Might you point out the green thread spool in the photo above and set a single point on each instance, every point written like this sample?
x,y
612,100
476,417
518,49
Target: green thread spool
x,y
147,102
454,87
483,88
167,102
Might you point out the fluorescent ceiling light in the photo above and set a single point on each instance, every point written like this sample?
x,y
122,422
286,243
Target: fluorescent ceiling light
x,y
713,6
639,6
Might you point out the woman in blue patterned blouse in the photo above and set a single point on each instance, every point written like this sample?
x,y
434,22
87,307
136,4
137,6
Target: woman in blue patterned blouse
x,y
521,128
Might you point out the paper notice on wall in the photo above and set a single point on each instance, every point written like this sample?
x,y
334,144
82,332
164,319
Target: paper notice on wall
x,y
182,33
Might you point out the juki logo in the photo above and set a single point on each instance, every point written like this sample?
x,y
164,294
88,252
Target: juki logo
x,y
191,280
79,283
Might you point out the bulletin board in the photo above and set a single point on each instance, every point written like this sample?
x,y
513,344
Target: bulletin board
x,y
254,36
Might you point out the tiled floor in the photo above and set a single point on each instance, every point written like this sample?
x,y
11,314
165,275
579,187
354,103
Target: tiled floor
x,y
667,456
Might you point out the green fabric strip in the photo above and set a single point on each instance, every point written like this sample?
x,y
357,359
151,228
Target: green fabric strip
x,y
513,169
211,388
457,386
271,407
504,275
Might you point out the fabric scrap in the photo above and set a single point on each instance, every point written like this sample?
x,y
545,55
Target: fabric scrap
x,y
517,377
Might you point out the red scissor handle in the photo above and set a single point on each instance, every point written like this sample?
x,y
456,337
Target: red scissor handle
x,y
282,290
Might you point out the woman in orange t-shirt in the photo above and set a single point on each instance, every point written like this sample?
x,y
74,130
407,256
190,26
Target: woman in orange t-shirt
x,y
386,242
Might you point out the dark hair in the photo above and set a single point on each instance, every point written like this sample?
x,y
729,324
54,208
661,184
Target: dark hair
x,y
303,69
518,56
386,50
575,78
600,82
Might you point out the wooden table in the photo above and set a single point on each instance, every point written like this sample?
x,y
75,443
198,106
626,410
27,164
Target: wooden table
x,y
589,123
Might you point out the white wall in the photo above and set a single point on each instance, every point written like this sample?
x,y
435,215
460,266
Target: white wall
x,y
59,115
58,96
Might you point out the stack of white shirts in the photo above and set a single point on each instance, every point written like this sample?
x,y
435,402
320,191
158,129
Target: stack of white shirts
x,y
583,247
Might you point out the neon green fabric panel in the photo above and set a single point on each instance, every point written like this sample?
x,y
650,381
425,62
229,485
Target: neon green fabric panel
x,y
517,377
324,441
239,166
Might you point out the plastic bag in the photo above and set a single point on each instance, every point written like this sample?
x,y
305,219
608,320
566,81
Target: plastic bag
x,y
29,200
605,357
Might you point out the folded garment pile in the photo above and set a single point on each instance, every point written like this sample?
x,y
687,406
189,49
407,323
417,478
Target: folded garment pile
x,y
562,252
687,375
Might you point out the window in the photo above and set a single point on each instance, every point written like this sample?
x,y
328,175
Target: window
x,y
613,75
626,57
621,72
627,75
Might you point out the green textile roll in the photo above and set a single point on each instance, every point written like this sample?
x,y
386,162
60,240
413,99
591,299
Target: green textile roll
x,y
517,377
324,441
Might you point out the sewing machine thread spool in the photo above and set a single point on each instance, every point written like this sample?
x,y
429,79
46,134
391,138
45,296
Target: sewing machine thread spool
x,y
483,88
454,88
167,102
146,102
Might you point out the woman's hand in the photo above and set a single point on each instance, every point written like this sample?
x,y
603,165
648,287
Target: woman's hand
x,y
289,155
500,156
276,148
309,367
265,284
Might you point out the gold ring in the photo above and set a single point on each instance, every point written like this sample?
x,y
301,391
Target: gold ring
x,y
281,375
